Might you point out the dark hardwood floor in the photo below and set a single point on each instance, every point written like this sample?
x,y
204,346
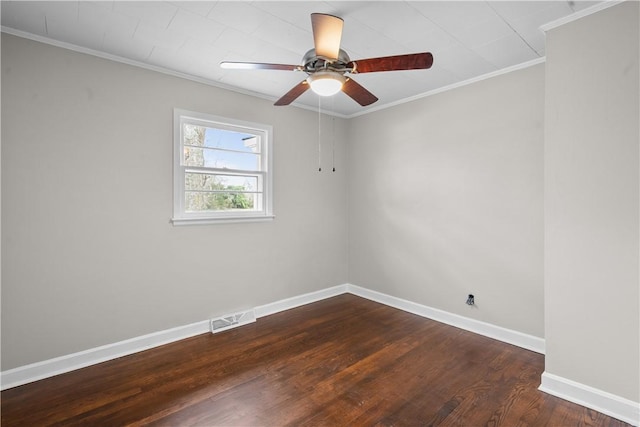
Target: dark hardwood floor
x,y
344,361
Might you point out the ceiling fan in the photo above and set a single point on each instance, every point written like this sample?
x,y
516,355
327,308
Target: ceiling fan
x,y
327,65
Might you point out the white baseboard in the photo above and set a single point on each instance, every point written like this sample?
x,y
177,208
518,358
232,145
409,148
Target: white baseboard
x,y
581,394
59,365
70,362
598,400
297,301
48,368
499,333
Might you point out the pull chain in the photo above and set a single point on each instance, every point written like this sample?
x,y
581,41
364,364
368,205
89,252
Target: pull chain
x,y
319,134
333,143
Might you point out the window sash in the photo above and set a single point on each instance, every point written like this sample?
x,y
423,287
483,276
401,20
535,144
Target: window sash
x,y
255,196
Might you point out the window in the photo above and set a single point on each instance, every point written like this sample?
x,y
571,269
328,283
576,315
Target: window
x,y
222,169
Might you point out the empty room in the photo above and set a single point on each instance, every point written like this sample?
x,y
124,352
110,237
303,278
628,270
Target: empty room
x,y
347,213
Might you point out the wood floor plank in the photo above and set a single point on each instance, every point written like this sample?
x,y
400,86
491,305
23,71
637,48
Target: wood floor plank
x,y
344,361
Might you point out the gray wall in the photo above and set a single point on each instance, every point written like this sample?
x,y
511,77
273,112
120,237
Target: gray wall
x,y
88,254
592,201
446,199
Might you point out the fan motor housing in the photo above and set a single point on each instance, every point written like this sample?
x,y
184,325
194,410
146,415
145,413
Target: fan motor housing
x,y
312,62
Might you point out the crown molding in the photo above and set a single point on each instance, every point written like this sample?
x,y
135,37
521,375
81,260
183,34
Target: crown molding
x,y
209,82
581,14
453,86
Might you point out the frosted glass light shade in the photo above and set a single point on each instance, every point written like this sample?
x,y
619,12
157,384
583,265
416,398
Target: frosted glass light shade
x,y
326,83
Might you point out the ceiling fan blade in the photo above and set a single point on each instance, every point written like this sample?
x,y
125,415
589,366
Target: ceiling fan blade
x,y
327,32
294,93
414,61
358,93
257,66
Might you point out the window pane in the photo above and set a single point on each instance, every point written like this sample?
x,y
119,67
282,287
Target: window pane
x,y
220,201
211,158
219,148
215,182
229,140
231,160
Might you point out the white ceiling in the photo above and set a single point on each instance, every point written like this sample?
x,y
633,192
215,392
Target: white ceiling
x,y
468,39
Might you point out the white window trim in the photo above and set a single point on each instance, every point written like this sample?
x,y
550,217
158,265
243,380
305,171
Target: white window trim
x,y
180,217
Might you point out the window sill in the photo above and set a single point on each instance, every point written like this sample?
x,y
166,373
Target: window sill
x,y
221,220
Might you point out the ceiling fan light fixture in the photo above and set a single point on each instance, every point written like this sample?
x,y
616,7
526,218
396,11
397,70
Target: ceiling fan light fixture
x,y
326,83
